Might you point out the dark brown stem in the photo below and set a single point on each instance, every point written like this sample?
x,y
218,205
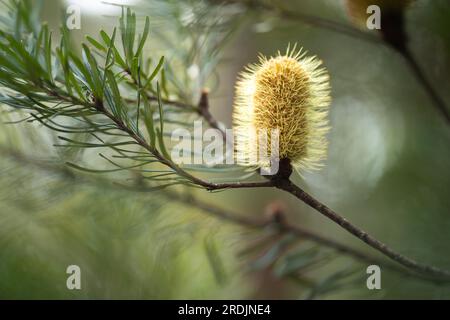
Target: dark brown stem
x,y
98,105
394,34
307,19
281,181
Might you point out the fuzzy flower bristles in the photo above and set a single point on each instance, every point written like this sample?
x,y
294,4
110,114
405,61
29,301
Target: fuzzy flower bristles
x,y
291,93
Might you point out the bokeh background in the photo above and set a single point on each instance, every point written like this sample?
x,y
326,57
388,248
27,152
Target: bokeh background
x,y
387,170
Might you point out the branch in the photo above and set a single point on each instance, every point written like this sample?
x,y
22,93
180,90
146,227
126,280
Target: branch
x,y
99,107
296,191
282,182
41,87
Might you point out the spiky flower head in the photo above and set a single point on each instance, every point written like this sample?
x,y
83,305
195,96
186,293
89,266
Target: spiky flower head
x,y
357,9
290,93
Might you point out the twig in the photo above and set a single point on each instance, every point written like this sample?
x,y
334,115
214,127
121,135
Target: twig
x,y
277,219
393,36
210,209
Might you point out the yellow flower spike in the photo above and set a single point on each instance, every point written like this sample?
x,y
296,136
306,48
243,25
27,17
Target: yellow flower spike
x,y
291,93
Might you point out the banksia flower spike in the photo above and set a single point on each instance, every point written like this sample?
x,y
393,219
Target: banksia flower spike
x,y
291,93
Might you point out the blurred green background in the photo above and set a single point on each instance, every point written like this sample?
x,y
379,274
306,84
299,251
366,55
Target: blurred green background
x,y
387,171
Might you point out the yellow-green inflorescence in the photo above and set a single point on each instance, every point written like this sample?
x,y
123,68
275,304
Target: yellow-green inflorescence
x,y
291,93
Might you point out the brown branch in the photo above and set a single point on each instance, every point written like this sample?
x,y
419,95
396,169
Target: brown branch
x,y
394,35
362,235
283,183
167,162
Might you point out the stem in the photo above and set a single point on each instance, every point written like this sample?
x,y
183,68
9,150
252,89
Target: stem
x,y
394,34
296,191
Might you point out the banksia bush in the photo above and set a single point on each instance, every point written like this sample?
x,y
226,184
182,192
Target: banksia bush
x,y
291,93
